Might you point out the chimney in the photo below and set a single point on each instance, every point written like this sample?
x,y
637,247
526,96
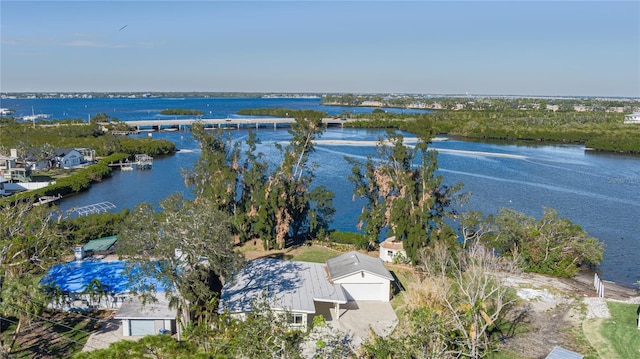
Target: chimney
x,y
13,152
78,252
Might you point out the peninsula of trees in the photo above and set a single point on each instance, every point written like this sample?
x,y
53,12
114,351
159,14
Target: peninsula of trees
x,y
181,112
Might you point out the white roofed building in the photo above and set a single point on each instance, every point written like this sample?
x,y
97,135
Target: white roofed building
x,y
392,250
303,289
632,118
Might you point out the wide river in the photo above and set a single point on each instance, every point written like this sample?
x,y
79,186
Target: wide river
x,y
600,192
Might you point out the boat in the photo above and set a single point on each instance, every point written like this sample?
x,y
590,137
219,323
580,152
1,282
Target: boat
x,y
34,117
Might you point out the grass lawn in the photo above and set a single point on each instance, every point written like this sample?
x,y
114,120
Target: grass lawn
x,y
51,174
621,330
315,254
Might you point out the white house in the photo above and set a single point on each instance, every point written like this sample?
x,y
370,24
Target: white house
x,y
68,157
392,250
632,118
146,319
303,289
360,276
300,289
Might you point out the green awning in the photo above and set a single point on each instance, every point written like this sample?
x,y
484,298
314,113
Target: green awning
x,y
101,244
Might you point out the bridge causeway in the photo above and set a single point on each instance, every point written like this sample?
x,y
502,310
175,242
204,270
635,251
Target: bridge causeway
x,y
249,122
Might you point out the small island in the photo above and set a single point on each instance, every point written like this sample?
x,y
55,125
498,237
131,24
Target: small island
x,y
181,112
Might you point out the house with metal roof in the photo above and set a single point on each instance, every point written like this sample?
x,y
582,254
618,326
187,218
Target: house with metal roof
x,y
100,245
562,353
303,289
360,276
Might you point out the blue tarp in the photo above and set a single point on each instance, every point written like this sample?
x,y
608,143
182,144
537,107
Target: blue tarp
x,y
74,277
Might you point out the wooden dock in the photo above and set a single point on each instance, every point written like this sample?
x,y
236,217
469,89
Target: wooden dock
x,y
124,166
144,161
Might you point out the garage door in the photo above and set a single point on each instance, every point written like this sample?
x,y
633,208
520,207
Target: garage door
x,y
363,291
142,327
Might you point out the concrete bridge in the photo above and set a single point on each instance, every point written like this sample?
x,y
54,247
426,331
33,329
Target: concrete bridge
x,y
248,122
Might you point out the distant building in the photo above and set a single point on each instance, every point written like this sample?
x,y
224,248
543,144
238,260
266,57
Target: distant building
x,y
391,250
68,157
372,103
12,170
632,118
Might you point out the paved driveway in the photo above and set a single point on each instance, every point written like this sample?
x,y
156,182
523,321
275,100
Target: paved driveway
x,y
109,332
357,317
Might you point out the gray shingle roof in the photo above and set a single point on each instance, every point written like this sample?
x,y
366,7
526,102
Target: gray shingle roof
x,y
353,262
288,285
61,152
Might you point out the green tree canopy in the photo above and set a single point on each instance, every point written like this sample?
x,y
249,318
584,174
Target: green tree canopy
x,y
187,247
403,194
551,245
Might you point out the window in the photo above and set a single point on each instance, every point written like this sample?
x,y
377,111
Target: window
x,y
390,253
295,318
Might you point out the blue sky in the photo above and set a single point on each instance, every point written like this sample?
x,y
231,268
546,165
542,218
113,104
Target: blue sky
x,y
581,48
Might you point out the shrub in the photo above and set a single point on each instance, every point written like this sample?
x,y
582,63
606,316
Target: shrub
x,y
319,321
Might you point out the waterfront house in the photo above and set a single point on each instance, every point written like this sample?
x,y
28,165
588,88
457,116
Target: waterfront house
x,y
33,162
392,250
12,170
632,118
303,290
67,158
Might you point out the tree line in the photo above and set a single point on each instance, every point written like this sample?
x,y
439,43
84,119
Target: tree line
x,y
43,138
181,112
600,131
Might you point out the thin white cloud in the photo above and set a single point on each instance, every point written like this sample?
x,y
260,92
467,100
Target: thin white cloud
x,y
96,44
